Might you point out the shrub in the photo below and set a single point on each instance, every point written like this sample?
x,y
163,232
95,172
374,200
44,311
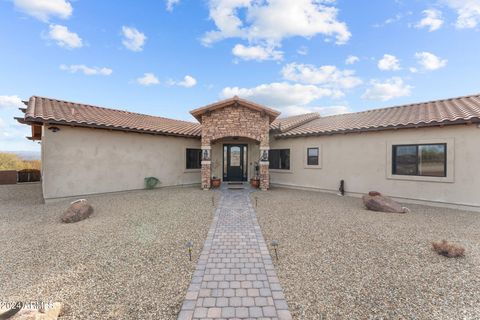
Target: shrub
x,y
448,249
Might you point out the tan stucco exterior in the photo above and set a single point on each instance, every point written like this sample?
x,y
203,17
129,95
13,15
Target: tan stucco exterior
x,y
363,160
79,161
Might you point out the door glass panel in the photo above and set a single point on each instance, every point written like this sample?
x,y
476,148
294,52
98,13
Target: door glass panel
x,y
225,151
235,156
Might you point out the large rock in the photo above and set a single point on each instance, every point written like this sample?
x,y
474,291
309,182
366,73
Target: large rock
x,y
78,210
383,204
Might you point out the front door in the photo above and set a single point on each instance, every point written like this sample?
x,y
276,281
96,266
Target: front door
x,y
234,162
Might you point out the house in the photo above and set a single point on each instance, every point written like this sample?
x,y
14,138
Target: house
x,y
425,152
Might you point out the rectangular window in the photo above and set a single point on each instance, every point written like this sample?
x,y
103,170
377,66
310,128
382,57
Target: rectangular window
x,y
194,159
312,156
429,160
279,159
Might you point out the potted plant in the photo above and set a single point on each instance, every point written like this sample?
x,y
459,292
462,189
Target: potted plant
x,y
216,182
255,182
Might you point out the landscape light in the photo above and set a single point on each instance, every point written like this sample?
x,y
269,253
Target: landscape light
x,y
189,246
274,244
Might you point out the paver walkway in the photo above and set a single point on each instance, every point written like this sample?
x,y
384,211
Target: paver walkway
x,y
235,277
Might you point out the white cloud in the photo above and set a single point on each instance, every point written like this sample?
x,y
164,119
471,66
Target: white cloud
x,y
302,51
468,12
171,4
148,79
432,20
44,9
133,39
89,71
389,63
352,59
390,89
282,94
429,61
257,53
7,102
269,22
324,111
328,76
188,82
64,37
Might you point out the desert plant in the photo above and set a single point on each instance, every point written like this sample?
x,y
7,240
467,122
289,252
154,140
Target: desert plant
x,y
448,249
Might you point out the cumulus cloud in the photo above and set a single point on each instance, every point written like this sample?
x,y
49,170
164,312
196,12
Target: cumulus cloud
x,y
64,37
390,89
257,53
352,59
468,12
171,3
329,76
269,22
188,82
389,63
148,79
133,39
282,94
429,61
44,9
432,19
323,111
7,102
89,71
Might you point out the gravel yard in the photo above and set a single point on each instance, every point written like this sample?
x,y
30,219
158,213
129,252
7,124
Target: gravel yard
x,y
340,261
127,261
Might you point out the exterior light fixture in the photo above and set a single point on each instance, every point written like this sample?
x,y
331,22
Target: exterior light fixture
x,y
256,202
274,244
189,246
54,129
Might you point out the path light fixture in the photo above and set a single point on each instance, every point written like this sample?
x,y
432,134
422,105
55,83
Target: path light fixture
x,y
213,200
189,246
274,244
256,202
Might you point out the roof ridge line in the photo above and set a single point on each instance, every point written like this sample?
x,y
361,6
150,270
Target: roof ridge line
x,y
404,105
110,109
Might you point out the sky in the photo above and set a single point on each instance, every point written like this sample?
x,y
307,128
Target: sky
x,y
167,57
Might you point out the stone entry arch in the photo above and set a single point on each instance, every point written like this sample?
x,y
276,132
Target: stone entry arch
x,y
235,118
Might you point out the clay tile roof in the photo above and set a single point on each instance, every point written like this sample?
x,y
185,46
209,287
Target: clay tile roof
x,y
289,123
441,112
197,113
55,111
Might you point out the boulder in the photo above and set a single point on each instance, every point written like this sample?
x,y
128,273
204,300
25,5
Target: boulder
x,y
78,210
374,193
383,204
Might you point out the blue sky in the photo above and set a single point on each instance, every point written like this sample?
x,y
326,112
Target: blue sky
x,y
166,57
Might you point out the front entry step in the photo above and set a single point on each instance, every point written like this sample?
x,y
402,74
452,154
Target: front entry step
x,y
236,185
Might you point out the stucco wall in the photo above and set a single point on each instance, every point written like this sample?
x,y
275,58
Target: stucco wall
x,y
79,161
364,161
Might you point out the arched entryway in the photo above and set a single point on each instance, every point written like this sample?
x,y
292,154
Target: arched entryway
x,y
235,120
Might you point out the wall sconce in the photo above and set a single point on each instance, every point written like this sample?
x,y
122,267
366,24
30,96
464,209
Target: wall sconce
x,y
264,155
206,155
54,129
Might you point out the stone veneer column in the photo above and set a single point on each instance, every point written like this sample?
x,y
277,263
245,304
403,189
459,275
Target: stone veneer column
x,y
206,167
264,171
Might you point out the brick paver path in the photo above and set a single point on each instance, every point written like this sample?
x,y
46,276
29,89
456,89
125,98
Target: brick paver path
x,y
235,277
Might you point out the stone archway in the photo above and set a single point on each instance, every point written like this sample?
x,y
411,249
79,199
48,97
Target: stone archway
x,y
235,118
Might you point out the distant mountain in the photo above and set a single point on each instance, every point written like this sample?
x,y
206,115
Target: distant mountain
x,y
26,155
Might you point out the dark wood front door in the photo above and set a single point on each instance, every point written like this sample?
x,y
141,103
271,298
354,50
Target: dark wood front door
x,y
235,162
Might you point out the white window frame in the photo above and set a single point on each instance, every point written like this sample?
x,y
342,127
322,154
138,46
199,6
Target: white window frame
x,y
450,178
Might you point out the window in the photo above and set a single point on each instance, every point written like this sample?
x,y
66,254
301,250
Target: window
x,y
279,159
194,159
428,160
312,156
